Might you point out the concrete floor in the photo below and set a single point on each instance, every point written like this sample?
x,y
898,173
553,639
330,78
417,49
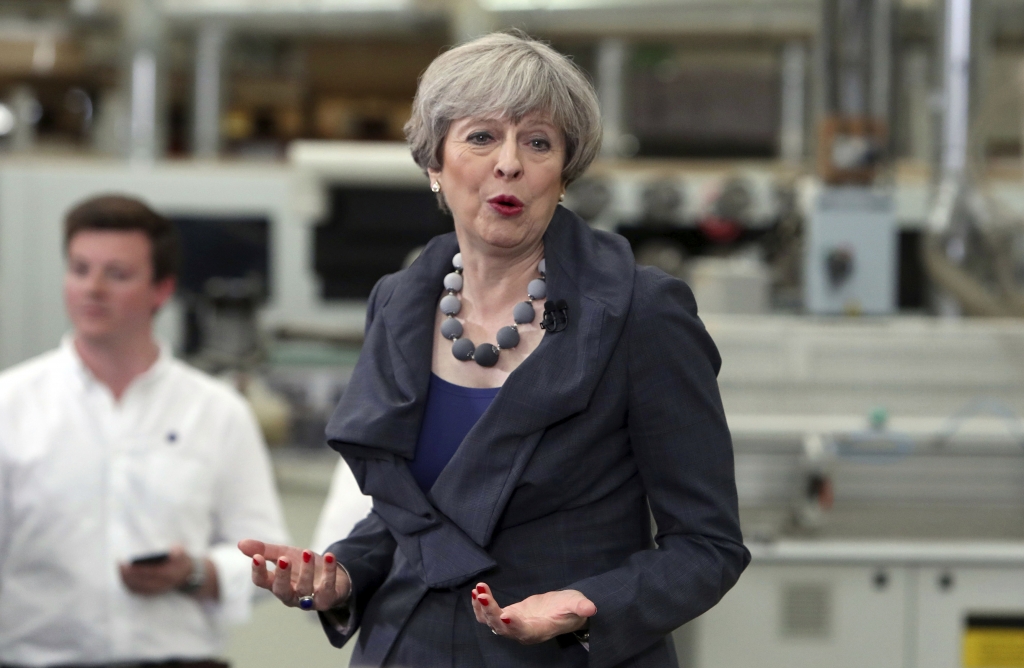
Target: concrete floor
x,y
280,637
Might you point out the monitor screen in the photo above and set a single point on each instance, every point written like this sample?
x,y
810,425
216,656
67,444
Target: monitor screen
x,y
369,232
223,247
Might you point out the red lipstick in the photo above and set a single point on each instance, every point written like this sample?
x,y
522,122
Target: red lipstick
x,y
506,205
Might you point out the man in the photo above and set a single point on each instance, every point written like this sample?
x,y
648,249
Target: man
x,y
126,477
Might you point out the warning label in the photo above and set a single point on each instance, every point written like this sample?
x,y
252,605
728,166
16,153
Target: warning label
x,y
994,642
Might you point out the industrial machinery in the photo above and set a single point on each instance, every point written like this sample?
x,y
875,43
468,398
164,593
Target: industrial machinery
x,y
35,195
277,224
904,437
689,220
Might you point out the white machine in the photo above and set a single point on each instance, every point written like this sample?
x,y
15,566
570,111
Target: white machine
x,y
36,194
916,560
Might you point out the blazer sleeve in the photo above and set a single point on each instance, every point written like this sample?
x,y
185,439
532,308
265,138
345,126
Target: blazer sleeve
x,y
368,551
367,555
683,451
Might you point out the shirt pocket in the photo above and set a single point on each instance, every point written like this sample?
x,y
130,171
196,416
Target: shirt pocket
x,y
163,497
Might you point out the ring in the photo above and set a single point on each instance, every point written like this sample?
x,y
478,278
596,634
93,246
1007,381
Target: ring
x,y
306,602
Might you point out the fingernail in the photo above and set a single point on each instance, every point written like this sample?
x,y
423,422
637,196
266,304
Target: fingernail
x,y
481,589
483,601
306,556
282,563
473,594
329,558
507,621
255,561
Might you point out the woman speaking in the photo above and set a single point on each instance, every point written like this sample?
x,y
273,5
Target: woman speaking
x,y
527,398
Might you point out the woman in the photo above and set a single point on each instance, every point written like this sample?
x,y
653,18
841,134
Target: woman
x,y
513,484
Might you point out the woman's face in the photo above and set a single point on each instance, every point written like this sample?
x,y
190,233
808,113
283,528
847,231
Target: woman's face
x,y
501,179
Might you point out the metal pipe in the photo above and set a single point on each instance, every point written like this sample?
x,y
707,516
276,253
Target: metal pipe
x,y
957,56
143,123
852,71
469,20
144,28
611,63
791,135
881,58
206,127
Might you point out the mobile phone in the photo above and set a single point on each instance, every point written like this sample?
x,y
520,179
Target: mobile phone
x,y
151,559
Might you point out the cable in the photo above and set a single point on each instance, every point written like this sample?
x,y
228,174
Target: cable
x,y
981,406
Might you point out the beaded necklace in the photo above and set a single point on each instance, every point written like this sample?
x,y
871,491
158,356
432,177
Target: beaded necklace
x,y
486,354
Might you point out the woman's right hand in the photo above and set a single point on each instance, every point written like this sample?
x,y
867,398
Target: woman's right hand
x,y
299,573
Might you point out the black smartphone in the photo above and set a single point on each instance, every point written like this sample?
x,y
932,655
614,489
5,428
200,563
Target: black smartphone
x,y
151,559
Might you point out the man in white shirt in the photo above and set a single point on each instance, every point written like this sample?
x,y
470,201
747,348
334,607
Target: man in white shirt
x,y
126,477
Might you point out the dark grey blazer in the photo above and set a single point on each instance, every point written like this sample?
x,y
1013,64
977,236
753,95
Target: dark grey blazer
x,y
613,419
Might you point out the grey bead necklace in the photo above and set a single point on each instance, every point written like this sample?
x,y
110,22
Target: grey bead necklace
x,y
486,354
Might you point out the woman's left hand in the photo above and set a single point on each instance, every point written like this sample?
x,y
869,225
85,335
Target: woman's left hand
x,y
535,619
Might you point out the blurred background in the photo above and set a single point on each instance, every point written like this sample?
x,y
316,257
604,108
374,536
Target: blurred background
x,y
840,181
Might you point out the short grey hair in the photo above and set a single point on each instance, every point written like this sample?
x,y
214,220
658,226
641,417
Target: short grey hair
x,y
509,75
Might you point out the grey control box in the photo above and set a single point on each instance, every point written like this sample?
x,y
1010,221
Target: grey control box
x,y
850,253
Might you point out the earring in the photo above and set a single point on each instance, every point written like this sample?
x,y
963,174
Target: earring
x,y
561,198
435,187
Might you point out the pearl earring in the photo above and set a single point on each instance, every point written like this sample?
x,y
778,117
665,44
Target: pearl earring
x,y
435,187
561,198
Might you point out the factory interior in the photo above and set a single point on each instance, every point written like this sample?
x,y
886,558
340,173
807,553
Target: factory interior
x,y
840,182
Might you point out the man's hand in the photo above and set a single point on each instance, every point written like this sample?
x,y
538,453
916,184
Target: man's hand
x,y
160,578
315,575
535,619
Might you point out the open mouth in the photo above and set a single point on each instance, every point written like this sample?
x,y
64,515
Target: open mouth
x,y
506,205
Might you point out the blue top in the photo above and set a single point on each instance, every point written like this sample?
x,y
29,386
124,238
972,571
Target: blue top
x,y
450,413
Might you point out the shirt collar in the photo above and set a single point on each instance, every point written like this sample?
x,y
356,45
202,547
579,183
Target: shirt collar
x,y
87,380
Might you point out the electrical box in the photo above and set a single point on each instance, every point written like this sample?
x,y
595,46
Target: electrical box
x,y
850,253
839,611
806,616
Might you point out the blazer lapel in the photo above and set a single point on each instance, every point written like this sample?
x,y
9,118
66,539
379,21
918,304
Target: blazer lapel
x,y
594,275
382,407
409,321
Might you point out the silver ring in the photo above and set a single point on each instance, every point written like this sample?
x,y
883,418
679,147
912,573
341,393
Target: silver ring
x,y
306,602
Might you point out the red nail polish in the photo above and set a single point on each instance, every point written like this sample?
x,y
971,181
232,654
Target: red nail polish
x,y
473,594
306,556
481,589
329,558
483,601
255,561
507,621
282,563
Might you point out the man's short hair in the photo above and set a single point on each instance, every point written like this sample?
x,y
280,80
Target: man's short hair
x,y
127,214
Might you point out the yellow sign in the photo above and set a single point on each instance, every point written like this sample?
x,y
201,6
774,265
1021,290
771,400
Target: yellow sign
x,y
993,648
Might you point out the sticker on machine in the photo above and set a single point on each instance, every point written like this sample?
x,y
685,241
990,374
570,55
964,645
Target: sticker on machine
x,y
994,641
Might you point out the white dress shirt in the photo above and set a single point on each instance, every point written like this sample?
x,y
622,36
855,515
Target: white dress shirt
x,y
88,482
346,506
